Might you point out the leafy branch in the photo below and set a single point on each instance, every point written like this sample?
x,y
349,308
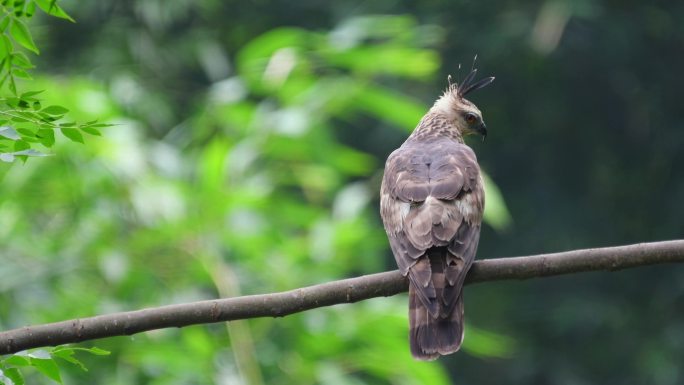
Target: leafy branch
x,y
331,293
24,122
46,361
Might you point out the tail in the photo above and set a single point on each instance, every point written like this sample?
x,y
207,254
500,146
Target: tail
x,y
440,331
431,336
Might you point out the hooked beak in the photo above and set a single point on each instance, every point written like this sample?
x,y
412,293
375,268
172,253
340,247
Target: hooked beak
x,y
482,130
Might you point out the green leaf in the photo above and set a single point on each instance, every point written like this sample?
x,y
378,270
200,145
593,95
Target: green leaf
x,y
55,110
29,94
4,23
48,367
17,360
21,145
46,137
21,74
95,350
68,355
51,8
98,125
15,375
12,102
30,9
91,130
72,134
21,60
5,46
21,35
26,133
49,118
12,85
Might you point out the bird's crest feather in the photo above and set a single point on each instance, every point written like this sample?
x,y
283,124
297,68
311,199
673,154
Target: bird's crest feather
x,y
468,85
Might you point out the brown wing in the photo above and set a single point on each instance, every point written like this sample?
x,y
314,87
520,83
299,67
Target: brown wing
x,y
432,196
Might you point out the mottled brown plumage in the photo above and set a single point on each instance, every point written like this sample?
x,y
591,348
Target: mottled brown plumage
x,y
432,200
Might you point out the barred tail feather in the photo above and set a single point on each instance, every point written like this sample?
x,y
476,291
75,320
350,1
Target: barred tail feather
x,y
430,336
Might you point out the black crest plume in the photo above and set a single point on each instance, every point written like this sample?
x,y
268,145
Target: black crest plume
x,y
468,84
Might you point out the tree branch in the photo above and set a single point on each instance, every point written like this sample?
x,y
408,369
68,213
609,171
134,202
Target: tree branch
x,y
331,293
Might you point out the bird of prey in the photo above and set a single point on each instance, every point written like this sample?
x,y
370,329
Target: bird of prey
x,y
431,203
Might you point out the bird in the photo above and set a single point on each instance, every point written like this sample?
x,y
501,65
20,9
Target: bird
x,y
431,203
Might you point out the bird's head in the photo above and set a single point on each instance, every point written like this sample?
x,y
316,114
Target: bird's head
x,y
462,112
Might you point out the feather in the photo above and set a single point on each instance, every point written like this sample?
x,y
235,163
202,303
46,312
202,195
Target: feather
x,y
479,84
429,336
466,81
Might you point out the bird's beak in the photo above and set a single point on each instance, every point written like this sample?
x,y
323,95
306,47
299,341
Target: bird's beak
x,y
482,130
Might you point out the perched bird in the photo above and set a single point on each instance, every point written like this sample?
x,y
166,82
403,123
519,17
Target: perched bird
x,y
431,203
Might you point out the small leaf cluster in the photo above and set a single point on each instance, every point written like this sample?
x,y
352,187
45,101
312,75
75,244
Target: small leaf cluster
x,y
45,361
24,121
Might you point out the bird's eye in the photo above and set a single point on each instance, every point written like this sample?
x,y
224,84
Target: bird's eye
x,y
470,118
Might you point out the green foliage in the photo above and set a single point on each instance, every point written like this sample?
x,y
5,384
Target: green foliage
x,y
22,116
47,362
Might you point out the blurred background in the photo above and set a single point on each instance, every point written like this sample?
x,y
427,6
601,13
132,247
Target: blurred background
x,y
247,157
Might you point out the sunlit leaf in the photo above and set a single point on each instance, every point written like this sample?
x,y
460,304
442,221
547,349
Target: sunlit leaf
x,y
94,350
72,134
5,45
48,367
20,73
68,355
30,9
50,7
28,95
21,145
46,136
15,375
21,35
21,60
16,359
91,130
55,110
4,22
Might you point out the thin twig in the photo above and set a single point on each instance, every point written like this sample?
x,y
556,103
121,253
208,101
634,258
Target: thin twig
x,y
331,293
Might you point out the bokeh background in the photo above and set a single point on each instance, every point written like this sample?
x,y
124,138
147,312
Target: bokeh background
x,y
247,155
